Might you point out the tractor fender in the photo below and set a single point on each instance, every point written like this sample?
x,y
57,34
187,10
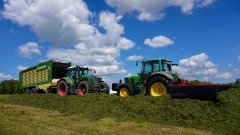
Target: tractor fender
x,y
163,74
66,79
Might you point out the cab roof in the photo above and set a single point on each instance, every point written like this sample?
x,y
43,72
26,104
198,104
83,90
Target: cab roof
x,y
156,59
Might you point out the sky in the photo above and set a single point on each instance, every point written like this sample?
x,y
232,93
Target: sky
x,y
202,36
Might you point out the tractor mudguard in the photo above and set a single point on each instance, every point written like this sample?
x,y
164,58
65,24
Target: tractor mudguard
x,y
68,81
161,74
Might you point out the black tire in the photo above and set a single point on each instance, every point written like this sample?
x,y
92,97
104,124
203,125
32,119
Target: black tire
x,y
62,88
162,85
123,90
104,87
34,90
27,91
83,88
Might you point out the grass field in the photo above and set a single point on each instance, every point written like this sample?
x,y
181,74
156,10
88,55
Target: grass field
x,y
24,120
110,114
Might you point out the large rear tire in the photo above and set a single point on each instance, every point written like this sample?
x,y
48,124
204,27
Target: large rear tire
x,y
27,91
83,88
158,86
62,88
104,87
34,90
123,90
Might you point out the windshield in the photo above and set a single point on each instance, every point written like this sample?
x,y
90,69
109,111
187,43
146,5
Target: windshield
x,y
90,72
85,72
166,67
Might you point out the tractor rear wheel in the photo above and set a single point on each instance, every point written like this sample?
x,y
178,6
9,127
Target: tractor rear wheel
x,y
83,88
27,91
104,87
123,90
62,88
158,86
34,90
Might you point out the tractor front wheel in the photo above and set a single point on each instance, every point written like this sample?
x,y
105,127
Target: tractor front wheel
x,y
62,88
158,86
104,87
83,88
123,90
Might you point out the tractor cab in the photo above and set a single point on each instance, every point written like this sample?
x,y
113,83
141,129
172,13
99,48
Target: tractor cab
x,y
157,65
77,73
154,66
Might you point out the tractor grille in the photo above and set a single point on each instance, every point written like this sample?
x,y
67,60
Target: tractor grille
x,y
91,81
132,81
126,80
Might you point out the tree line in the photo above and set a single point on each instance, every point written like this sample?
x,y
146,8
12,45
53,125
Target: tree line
x,y
10,87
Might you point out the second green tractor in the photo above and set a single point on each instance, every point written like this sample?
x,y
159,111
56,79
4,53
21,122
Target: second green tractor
x,y
80,80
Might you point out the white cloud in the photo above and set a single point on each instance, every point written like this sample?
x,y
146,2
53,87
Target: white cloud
x,y
5,77
226,75
20,68
237,72
57,21
71,22
135,57
200,67
158,42
154,9
205,3
29,49
102,51
109,21
229,65
125,44
196,65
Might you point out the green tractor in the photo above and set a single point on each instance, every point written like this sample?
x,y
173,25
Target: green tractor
x,y
158,79
155,79
80,80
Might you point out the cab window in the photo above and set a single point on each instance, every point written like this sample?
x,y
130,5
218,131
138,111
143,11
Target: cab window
x,y
72,74
148,67
156,66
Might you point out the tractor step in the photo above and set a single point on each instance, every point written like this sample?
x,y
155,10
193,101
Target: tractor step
x,y
197,91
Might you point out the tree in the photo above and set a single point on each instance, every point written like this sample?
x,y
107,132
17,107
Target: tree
x,y
9,87
199,82
237,83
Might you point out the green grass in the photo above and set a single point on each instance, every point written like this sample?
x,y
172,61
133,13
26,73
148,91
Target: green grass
x,y
220,117
24,120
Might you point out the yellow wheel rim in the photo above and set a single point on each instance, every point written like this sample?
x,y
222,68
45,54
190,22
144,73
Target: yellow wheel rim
x,y
158,89
124,92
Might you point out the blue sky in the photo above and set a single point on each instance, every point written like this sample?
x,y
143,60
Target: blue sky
x,y
203,36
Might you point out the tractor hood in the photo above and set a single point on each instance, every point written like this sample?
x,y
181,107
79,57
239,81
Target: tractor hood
x,y
97,79
133,79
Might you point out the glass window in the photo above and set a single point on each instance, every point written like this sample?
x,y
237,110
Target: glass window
x,y
90,72
72,74
83,72
156,66
166,67
148,67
